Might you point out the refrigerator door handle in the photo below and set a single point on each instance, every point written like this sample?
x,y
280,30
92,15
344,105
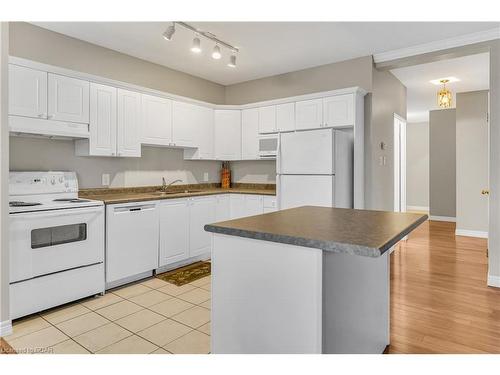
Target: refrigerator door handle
x,y
278,155
278,192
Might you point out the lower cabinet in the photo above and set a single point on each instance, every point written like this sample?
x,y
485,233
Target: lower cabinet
x,y
201,212
222,207
174,231
242,205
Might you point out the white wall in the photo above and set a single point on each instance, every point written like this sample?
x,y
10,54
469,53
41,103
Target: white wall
x,y
417,165
261,172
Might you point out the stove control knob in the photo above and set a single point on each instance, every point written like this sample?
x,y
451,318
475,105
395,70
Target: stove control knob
x,y
66,184
53,182
61,180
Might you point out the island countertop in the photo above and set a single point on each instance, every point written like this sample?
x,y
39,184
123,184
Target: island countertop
x,y
339,230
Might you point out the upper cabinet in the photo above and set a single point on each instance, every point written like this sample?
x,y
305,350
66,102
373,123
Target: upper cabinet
x,y
203,134
128,120
309,114
68,99
267,119
338,111
285,117
27,92
250,134
156,120
102,140
183,124
227,134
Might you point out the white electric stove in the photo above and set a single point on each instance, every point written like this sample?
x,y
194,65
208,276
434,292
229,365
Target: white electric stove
x,y
56,242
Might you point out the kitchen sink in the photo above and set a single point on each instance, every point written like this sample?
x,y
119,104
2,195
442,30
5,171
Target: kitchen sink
x,y
160,193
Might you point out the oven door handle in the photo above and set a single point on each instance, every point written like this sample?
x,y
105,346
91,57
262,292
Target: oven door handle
x,y
65,212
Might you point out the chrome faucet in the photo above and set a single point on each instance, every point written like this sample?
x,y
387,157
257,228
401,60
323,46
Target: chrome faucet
x,y
164,185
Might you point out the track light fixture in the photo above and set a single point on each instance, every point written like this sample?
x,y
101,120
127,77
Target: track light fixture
x,y
169,32
196,46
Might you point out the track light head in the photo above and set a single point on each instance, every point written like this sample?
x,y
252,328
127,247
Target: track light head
x,y
169,32
232,61
196,47
216,53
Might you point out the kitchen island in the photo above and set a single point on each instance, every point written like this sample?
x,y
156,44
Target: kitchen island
x,y
304,280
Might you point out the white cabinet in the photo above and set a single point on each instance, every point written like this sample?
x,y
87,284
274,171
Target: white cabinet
x,y
227,134
285,117
203,130
102,141
131,240
222,207
270,204
201,212
128,122
184,120
250,134
174,231
68,99
309,114
338,111
237,206
267,119
27,92
156,124
242,205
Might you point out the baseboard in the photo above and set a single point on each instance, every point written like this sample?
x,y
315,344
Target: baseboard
x,y
471,233
417,208
5,328
494,281
443,218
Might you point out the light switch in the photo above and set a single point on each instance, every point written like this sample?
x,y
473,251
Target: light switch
x,y
105,179
205,177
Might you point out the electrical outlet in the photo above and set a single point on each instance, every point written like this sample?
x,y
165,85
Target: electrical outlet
x,y
205,177
105,179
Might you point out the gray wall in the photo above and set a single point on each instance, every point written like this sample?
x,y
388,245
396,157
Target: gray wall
x,y
38,44
417,164
350,73
442,164
388,97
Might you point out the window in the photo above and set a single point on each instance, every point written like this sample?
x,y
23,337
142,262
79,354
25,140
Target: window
x,y
44,237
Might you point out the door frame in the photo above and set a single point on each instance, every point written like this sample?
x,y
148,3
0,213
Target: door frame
x,y
399,163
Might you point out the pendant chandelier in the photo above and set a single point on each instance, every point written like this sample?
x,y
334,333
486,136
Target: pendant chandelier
x,y
444,95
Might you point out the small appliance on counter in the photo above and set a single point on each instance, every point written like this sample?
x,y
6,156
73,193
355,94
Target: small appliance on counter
x,y
225,175
56,242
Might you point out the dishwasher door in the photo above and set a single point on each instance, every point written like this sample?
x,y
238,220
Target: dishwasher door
x,y
132,237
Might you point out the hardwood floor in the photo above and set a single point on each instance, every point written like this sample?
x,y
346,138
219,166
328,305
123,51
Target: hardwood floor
x,y
440,302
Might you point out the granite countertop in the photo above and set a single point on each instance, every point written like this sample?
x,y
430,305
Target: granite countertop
x,y
339,230
148,193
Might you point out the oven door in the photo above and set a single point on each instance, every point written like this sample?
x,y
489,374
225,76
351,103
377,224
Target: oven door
x,y
51,241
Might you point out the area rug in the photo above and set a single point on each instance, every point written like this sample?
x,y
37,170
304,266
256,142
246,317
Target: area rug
x,y
187,274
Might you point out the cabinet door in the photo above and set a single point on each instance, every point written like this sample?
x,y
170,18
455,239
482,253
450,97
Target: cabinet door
x,y
174,231
228,134
254,205
338,110
156,124
285,117
184,118
68,99
237,206
27,92
128,143
201,212
309,114
267,119
222,207
102,141
250,134
204,131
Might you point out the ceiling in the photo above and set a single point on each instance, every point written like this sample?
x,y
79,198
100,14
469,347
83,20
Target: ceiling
x,y
472,71
266,48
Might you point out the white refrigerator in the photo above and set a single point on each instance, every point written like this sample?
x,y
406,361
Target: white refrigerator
x,y
315,168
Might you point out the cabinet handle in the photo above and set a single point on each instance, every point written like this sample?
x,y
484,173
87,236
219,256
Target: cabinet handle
x,y
50,116
42,115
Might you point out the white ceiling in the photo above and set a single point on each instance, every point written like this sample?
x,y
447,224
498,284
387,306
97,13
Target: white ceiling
x,y
266,48
472,71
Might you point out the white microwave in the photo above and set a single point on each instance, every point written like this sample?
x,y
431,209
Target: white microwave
x,y
268,146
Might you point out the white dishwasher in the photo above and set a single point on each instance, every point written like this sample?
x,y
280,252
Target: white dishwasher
x,y
132,232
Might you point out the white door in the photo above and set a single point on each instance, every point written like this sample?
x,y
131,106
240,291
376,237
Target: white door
x,y
184,119
285,117
201,212
68,99
102,140
309,114
156,124
174,231
204,131
128,120
237,206
399,164
27,92
254,204
222,207
296,191
227,134
307,152
267,119
338,110
250,134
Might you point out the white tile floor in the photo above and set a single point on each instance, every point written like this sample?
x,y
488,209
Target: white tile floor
x,y
151,316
